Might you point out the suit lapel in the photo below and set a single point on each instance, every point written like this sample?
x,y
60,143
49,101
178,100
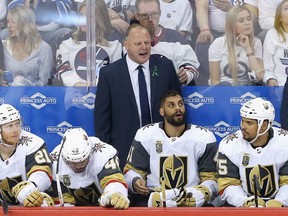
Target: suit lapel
x,y
153,79
126,80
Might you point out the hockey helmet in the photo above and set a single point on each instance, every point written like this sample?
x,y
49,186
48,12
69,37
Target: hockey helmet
x,y
8,114
76,145
258,109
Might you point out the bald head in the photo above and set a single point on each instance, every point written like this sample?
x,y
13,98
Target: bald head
x,y
138,43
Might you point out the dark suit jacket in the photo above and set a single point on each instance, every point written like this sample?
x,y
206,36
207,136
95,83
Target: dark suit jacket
x,y
284,107
116,116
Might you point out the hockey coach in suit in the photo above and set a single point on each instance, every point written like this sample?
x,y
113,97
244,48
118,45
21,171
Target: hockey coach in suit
x,y
118,114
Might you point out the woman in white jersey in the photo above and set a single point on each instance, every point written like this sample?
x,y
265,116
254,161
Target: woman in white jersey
x,y
236,58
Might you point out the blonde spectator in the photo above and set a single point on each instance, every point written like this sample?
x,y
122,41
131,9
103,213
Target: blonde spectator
x,y
236,58
211,18
252,5
275,48
25,53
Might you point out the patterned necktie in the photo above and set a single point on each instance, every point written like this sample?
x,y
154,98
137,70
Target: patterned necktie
x,y
144,103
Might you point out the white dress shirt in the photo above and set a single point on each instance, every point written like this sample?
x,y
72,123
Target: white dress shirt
x,y
133,72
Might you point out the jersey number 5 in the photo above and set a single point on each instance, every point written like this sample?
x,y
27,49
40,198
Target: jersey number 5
x,y
222,167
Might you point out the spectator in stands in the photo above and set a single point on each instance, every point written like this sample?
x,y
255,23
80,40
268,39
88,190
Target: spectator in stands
x,y
267,10
211,21
25,164
254,160
211,18
226,5
168,42
120,14
118,110
53,19
177,15
87,164
236,58
275,48
25,53
161,150
252,5
71,56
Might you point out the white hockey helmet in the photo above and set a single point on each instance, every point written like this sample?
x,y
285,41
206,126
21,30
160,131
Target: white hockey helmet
x,y
258,109
76,145
8,114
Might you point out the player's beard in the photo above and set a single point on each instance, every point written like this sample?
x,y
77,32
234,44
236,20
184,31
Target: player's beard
x,y
171,119
246,136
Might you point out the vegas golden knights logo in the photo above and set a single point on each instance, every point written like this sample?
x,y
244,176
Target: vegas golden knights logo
x,y
266,106
245,159
174,171
66,180
86,196
265,174
6,186
159,146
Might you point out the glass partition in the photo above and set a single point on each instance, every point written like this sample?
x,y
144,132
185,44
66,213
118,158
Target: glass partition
x,y
55,72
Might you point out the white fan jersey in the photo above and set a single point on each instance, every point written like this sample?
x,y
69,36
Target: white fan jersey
x,y
184,161
72,63
117,5
173,46
239,162
86,187
30,156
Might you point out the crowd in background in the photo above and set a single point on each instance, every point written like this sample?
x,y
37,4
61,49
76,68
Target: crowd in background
x,y
247,49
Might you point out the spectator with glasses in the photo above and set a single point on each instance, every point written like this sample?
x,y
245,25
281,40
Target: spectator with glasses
x,y
168,42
